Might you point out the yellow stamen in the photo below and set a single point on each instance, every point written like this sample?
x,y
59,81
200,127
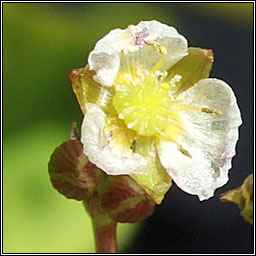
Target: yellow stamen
x,y
183,151
184,107
211,111
162,50
179,147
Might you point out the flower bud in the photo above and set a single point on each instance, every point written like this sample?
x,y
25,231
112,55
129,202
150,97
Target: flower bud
x,y
71,173
123,200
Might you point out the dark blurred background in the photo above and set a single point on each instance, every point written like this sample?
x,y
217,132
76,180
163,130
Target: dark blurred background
x,y
42,42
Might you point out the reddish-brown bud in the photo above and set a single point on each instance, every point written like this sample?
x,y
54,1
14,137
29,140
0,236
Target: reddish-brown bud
x,y
71,173
123,200
114,198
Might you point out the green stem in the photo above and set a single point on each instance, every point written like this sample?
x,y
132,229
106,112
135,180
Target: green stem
x,y
104,228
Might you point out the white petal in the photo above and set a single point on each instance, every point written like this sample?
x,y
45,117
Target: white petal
x,y
156,30
104,59
100,153
175,44
106,66
209,138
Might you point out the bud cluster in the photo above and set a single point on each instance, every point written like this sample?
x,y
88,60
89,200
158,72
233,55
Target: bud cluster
x,y
118,197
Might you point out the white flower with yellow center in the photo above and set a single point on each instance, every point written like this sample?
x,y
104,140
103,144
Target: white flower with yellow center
x,y
152,113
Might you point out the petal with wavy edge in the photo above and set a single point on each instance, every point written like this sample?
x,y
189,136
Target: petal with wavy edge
x,y
208,139
105,58
100,153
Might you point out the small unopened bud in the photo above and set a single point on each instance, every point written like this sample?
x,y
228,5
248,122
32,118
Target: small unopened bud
x,y
71,173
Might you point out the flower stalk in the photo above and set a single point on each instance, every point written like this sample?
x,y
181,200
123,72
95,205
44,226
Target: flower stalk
x,y
104,228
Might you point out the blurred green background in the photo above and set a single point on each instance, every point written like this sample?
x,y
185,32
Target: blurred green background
x,y
42,42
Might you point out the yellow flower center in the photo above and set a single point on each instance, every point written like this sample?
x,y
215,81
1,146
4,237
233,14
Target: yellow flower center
x,y
143,100
145,108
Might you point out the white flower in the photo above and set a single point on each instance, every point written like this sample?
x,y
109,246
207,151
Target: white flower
x,y
142,120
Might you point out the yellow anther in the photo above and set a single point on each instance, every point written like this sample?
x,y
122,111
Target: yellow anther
x,y
157,46
184,151
170,138
184,107
211,111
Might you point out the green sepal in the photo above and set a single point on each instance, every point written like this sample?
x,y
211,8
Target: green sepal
x,y
192,68
243,198
156,182
89,91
